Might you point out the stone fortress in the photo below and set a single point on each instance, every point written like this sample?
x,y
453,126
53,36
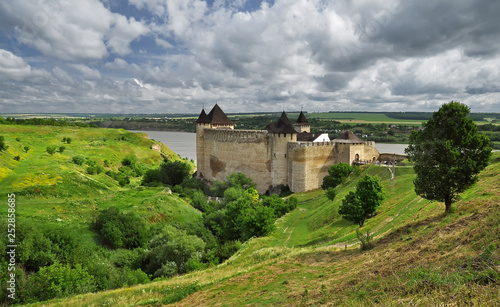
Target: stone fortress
x,y
281,154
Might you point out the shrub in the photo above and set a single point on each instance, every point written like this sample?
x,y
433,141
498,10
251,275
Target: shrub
x,y
60,280
121,230
129,160
336,175
51,150
17,158
68,140
331,194
26,148
365,239
96,169
256,222
61,149
78,160
3,146
172,247
174,172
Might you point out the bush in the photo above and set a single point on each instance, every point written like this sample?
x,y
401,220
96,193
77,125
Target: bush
x,y
365,239
256,222
17,158
96,169
121,230
3,146
129,160
174,172
26,148
331,194
172,247
78,160
51,150
60,280
61,149
336,175
68,140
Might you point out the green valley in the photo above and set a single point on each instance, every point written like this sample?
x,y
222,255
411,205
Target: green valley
x,y
420,256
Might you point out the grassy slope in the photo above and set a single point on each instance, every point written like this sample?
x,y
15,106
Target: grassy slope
x,y
64,190
59,192
421,257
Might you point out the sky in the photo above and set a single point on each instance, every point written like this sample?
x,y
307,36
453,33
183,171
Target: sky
x,y
178,56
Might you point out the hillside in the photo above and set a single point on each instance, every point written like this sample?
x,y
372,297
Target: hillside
x,y
421,256
58,200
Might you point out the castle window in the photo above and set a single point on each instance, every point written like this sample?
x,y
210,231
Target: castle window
x,y
284,135
285,156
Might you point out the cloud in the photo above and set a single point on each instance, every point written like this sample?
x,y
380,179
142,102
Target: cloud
x,y
12,66
172,55
87,72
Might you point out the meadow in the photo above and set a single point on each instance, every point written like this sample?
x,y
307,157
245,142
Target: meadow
x,y
420,256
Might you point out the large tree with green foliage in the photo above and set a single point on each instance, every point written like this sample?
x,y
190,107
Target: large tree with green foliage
x,y
337,173
357,206
448,153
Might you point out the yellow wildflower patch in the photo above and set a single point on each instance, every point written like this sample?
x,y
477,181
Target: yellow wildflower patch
x,y
4,172
37,179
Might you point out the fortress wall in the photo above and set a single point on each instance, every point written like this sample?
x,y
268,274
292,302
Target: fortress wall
x,y
309,163
279,157
371,153
246,151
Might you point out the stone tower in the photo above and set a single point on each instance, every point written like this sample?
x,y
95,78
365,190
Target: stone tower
x,y
216,119
280,134
302,125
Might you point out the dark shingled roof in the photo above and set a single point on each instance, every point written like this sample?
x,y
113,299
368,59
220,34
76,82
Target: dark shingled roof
x,y
302,119
281,126
307,137
203,118
218,117
347,137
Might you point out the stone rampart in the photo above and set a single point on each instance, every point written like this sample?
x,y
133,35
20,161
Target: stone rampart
x,y
246,151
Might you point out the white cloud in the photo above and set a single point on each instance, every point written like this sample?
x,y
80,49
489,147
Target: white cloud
x,y
12,66
325,55
87,72
123,32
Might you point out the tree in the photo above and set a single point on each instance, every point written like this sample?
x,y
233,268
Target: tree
x,y
26,148
336,175
448,154
174,172
357,206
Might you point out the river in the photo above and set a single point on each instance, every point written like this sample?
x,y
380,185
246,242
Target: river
x,y
184,143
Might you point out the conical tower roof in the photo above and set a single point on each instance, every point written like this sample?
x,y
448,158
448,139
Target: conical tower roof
x,y
218,117
302,120
347,137
281,126
203,118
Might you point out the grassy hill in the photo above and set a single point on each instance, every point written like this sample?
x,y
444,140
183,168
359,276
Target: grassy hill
x,y
420,256
56,196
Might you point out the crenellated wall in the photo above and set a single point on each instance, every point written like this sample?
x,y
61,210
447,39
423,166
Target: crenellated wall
x,y
272,159
279,157
228,151
309,163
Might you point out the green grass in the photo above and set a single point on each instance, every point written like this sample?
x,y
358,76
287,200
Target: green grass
x,y
421,256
